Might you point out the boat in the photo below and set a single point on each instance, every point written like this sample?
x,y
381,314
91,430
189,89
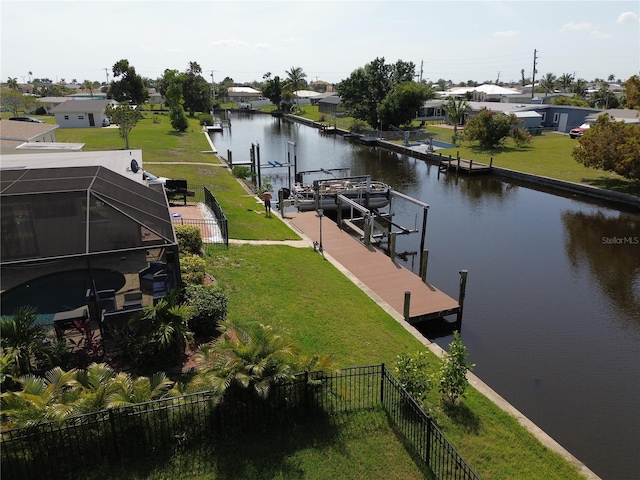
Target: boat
x,y
216,127
323,193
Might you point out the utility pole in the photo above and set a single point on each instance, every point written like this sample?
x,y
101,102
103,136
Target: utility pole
x,y
421,70
498,79
533,75
106,72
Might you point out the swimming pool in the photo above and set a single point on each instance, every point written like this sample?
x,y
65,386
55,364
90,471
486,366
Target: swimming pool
x,y
58,292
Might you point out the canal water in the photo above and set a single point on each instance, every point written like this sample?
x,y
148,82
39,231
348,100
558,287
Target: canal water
x,y
552,307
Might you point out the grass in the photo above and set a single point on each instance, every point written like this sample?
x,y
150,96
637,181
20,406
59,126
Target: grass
x,y
328,315
347,446
352,330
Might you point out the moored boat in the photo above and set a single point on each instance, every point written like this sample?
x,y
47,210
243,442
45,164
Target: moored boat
x,y
323,193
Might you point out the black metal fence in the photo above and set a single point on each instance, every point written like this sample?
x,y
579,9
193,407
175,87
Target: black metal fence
x,y
215,231
120,435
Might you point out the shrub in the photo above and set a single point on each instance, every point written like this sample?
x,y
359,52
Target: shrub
x,y
241,171
413,374
205,119
41,111
322,117
453,381
189,239
358,126
521,137
209,307
192,269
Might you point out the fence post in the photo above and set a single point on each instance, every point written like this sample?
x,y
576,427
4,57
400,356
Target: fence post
x,y
427,458
112,424
382,377
305,400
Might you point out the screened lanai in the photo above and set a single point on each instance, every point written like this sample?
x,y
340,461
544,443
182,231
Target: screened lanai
x,y
108,229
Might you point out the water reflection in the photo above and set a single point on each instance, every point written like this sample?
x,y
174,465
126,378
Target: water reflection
x,y
609,247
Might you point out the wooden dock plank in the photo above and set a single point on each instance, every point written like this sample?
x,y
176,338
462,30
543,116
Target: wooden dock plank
x,y
374,269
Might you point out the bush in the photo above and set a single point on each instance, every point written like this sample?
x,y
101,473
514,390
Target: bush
x,y
413,374
453,381
41,111
189,239
192,269
322,117
209,306
521,137
205,119
358,126
241,172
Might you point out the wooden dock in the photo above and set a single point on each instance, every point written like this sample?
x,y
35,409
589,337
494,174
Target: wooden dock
x,y
375,270
463,166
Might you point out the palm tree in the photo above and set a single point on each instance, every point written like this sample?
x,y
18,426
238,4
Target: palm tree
x,y
565,81
25,339
12,83
125,390
548,82
579,87
165,324
248,355
88,85
48,398
455,110
611,77
296,78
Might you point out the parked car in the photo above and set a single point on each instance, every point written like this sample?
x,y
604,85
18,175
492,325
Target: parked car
x,y
579,131
26,119
105,122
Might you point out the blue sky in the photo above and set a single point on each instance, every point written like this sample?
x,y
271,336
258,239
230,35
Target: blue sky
x,y
456,40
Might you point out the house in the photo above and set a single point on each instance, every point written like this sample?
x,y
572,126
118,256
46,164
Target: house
x,y
94,231
618,114
559,118
330,105
243,94
432,110
82,113
49,103
16,137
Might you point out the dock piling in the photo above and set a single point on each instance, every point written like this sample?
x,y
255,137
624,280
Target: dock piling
x,y
461,294
407,306
424,261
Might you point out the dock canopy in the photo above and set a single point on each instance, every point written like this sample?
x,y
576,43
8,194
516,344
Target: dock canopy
x,y
52,213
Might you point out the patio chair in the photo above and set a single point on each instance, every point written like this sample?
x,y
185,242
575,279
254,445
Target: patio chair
x,y
132,299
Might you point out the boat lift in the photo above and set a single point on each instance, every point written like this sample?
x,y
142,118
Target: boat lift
x,y
373,220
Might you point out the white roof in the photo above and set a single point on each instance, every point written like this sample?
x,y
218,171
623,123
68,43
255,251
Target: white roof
x,y
247,90
487,88
306,93
527,114
118,161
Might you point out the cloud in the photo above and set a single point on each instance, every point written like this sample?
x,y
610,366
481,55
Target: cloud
x,y
507,33
598,34
627,17
229,43
575,26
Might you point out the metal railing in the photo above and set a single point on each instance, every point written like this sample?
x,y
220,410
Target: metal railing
x,y
211,202
215,231
52,450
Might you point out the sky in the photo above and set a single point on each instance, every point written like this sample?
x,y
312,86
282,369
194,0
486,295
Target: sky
x,y
453,40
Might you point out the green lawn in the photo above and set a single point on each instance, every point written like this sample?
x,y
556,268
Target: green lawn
x,y
327,314
351,446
